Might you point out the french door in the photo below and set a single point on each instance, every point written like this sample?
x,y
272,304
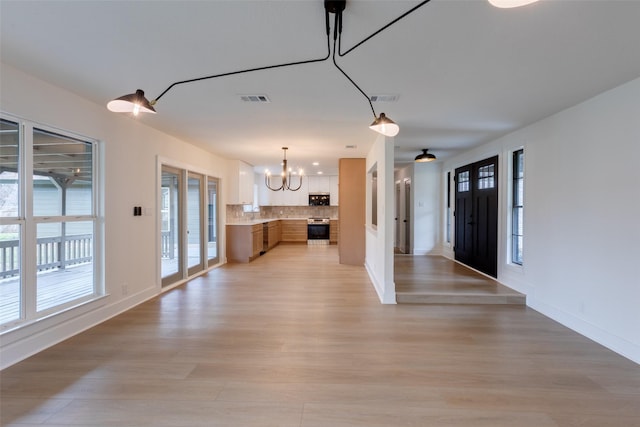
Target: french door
x,y
188,225
476,215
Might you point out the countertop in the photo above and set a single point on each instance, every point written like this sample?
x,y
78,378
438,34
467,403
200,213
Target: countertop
x,y
263,220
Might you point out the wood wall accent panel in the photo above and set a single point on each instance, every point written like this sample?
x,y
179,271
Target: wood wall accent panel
x,y
351,211
294,230
334,226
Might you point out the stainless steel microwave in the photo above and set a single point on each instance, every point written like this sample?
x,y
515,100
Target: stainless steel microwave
x,y
319,199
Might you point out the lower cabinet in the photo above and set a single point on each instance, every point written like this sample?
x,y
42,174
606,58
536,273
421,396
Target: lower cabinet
x,y
244,242
294,230
274,232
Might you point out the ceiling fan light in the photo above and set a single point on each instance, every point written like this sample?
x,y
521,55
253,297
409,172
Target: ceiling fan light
x,y
425,157
385,126
132,103
510,3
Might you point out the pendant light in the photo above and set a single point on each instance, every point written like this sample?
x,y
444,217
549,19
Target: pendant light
x,y
132,103
511,3
136,103
425,157
285,175
385,126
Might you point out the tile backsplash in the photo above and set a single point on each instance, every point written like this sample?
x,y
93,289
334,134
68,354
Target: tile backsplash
x,y
236,212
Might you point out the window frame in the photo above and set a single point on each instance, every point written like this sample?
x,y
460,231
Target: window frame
x,y
516,209
28,225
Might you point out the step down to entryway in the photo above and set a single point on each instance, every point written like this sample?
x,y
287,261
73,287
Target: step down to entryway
x,y
459,298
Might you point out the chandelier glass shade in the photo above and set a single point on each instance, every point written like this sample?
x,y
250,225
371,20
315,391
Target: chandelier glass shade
x,y
285,175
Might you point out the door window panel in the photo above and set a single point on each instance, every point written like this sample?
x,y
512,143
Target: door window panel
x,y
212,220
170,234
194,230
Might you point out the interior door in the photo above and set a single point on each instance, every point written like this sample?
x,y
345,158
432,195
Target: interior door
x,y
476,215
407,216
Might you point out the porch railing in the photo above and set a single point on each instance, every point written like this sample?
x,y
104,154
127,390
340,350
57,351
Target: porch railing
x,y
51,252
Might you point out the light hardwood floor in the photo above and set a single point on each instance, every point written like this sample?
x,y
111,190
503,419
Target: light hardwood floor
x,y
437,280
295,339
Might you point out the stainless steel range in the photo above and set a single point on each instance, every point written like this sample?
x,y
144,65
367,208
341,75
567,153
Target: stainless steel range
x,y
318,231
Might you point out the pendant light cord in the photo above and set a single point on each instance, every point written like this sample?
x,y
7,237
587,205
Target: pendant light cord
x,y
336,36
268,67
340,53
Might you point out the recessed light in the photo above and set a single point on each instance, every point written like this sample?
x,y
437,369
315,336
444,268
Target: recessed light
x,y
320,172
315,163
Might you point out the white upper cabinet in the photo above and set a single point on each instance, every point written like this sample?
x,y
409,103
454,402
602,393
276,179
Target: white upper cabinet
x,y
334,189
241,179
319,184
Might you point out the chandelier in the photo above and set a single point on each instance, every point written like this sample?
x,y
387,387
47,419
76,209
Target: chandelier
x,y
285,175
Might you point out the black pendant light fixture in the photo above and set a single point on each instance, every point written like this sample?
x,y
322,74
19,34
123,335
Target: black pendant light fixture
x,y
285,175
425,157
136,103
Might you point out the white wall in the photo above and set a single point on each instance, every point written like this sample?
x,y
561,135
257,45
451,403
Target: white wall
x,y
379,239
130,151
426,203
582,205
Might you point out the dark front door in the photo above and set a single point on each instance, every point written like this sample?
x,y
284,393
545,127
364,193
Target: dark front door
x,y
476,215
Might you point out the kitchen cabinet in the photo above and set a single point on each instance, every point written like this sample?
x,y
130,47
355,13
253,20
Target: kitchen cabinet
x,y
274,232
241,180
319,184
334,189
294,230
244,242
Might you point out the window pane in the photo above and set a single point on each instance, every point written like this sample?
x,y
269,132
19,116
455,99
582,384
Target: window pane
x,y
62,175
517,208
64,259
463,181
10,290
9,161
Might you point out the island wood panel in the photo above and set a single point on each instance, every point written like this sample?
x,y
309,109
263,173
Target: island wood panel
x,y
294,230
334,227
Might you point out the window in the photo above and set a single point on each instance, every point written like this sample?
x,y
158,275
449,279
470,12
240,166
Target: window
x,y
517,207
486,177
448,207
463,182
48,219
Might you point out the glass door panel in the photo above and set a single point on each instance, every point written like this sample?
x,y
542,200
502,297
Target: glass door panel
x,y
212,221
194,223
171,248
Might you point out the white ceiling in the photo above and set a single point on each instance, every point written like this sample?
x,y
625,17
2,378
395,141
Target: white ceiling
x,y
465,72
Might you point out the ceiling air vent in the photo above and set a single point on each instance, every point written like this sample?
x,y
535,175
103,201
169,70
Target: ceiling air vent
x,y
384,98
255,98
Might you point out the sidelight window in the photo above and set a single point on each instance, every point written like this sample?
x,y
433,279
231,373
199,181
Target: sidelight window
x,y
517,207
